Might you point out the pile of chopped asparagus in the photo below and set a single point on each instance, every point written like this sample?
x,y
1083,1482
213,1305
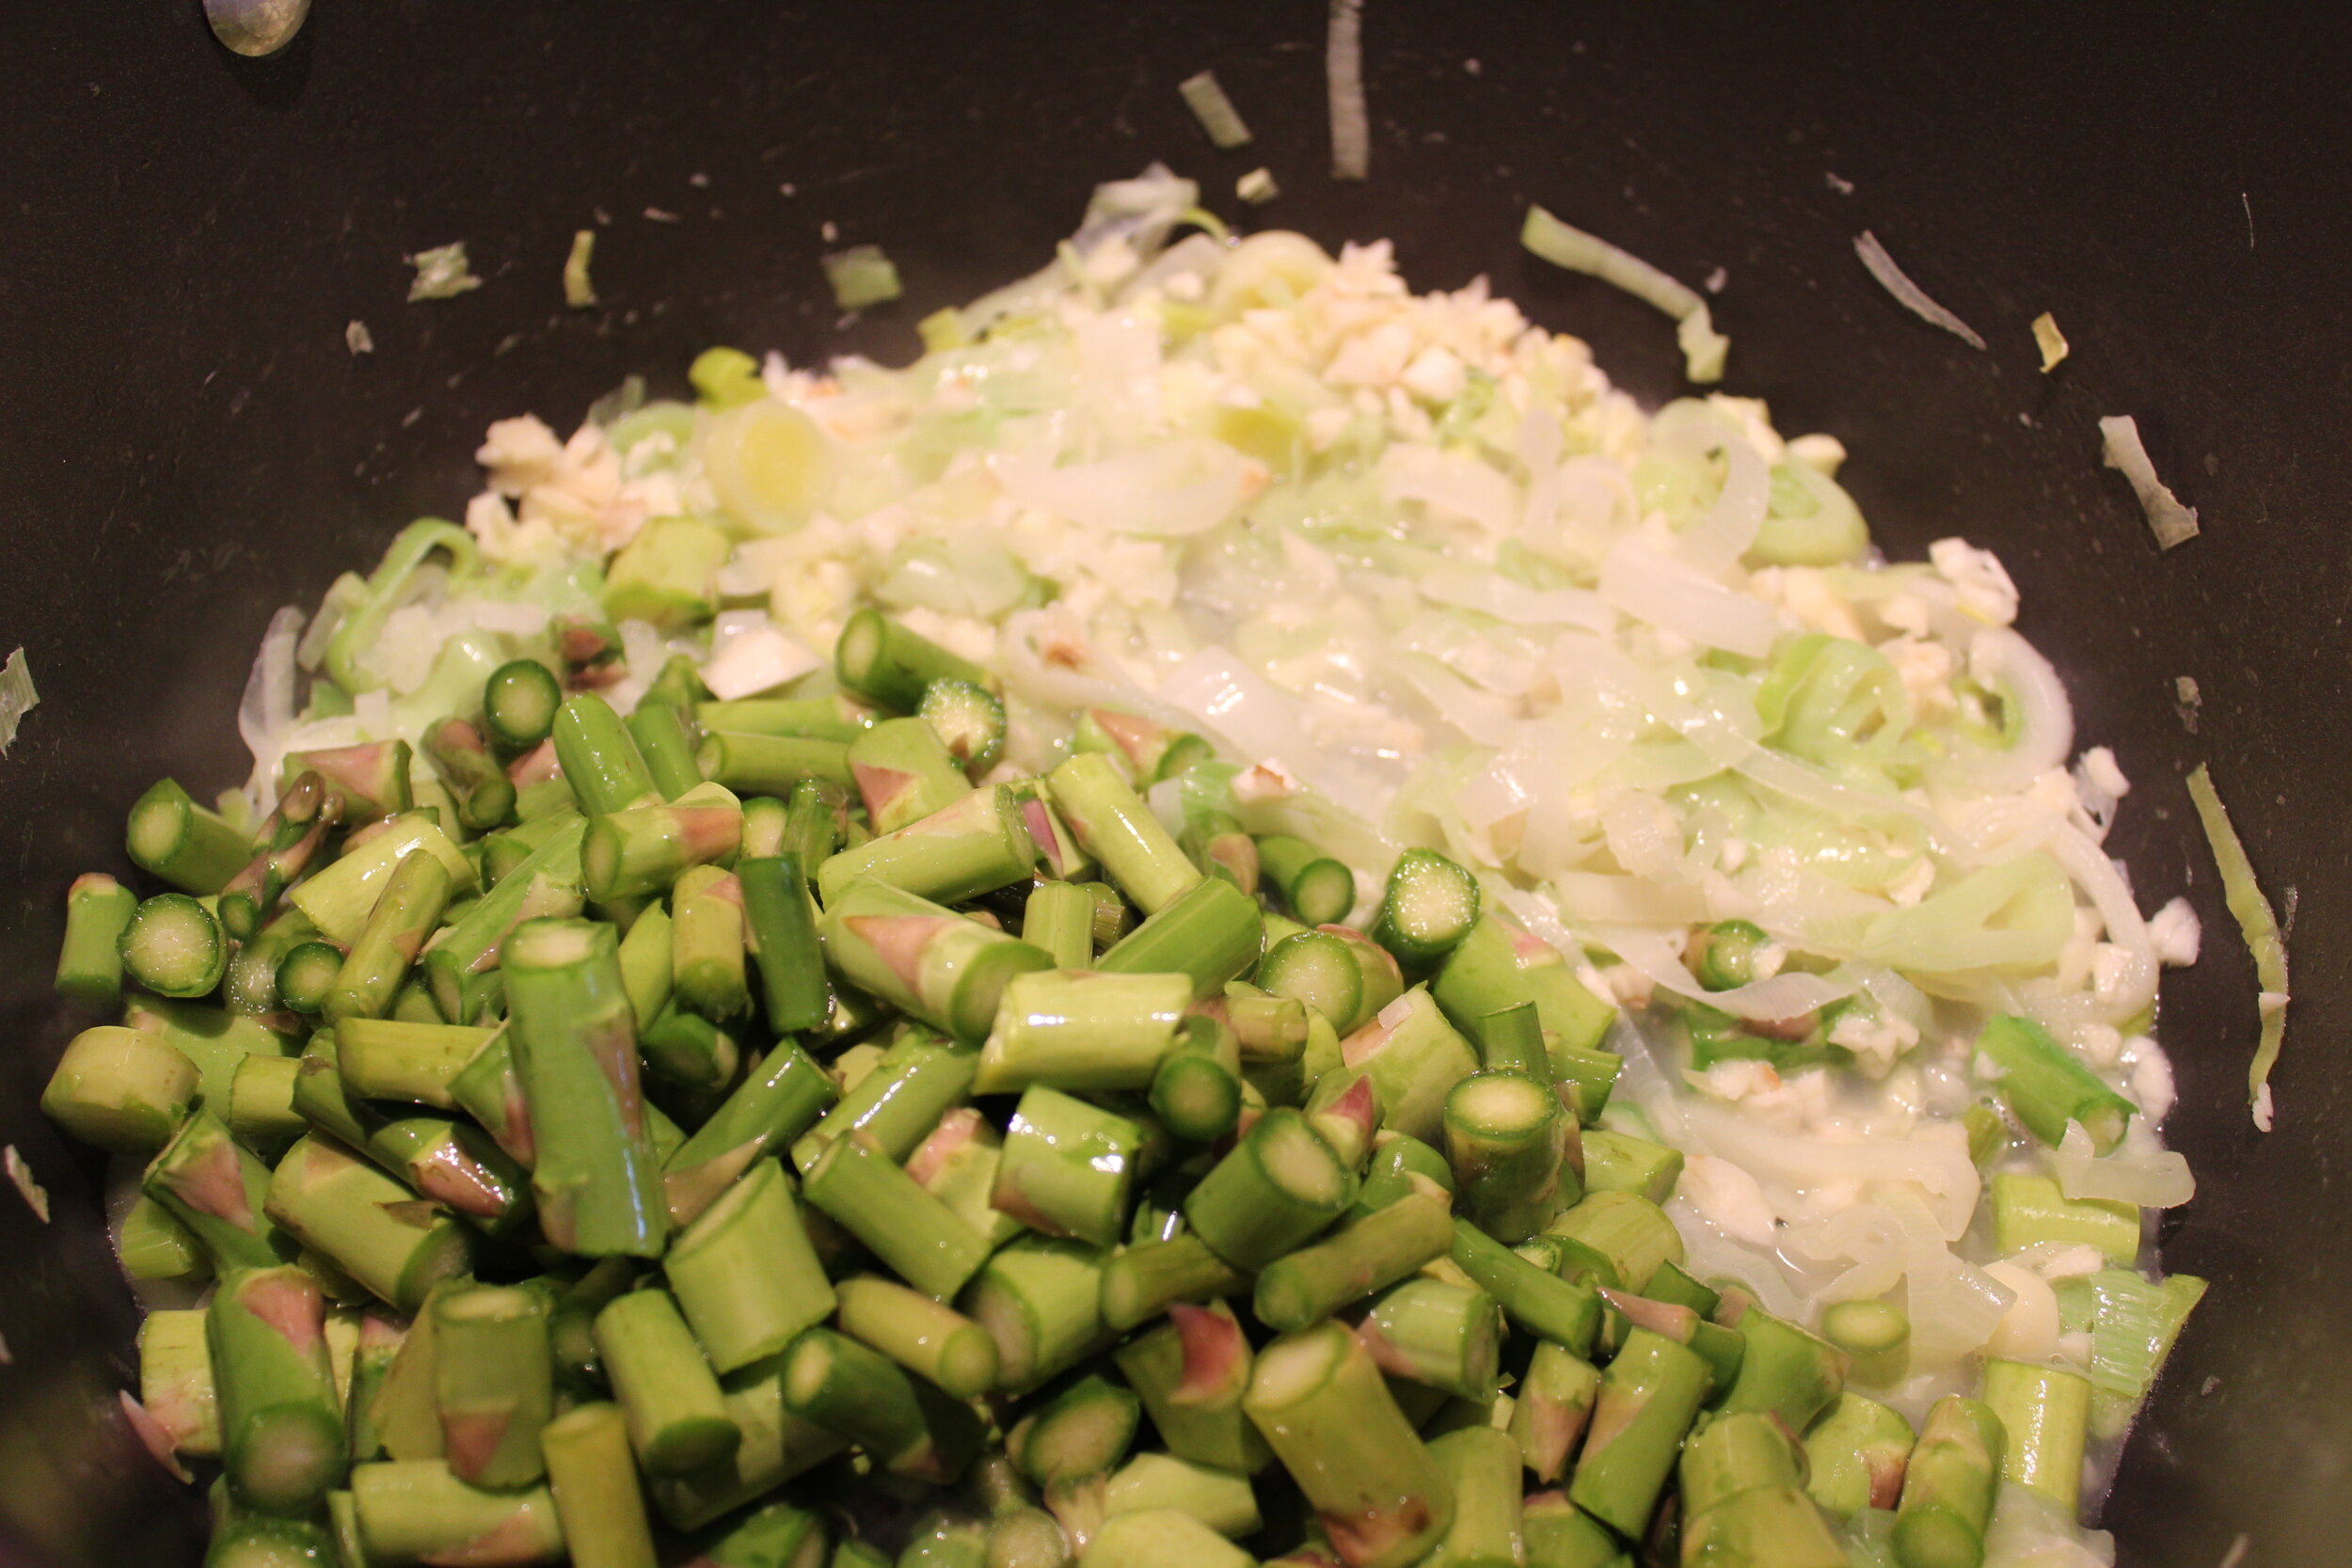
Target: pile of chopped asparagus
x,y
727,1124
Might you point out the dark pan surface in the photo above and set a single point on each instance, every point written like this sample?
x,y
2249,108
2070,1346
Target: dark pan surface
x,y
185,443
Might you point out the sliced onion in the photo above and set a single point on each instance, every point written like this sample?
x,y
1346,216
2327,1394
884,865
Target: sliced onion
x,y
1649,587
2153,1178
1909,294
2045,720
1171,490
1452,484
1343,74
2168,519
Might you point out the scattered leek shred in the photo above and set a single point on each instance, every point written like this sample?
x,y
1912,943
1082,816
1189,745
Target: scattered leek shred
x,y
1566,246
35,1197
2188,701
358,339
8,1356
1216,114
1257,187
1909,294
579,292
861,276
2050,341
442,273
2260,927
2171,522
16,697
1343,75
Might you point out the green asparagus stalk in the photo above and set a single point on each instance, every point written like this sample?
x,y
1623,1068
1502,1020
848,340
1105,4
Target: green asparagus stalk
x,y
923,959
409,912
958,1164
1620,1163
1317,970
592,1476
905,773
678,1421
1161,1538
906,1424
1784,1371
1197,1089
1397,1166
834,718
1150,751
1277,1189
151,1244
372,1355
262,1109
1306,1285
281,1432
1778,1525
1317,888
1504,1141
493,1384
1114,826
744,1272
1732,1454
973,845
1553,1404
882,662
124,1090
373,1228
1560,1535
1318,1399
169,835
176,1381
1213,933
1083,1431
490,1089
1415,1058
916,1082
782,933
1875,1337
595,1175
1221,1500
855,1184
935,1342
174,948
600,760
1950,1485
1431,1332
1498,966
1192,1376
643,850
689,1050
546,885
2045,1088
262,1541
369,781
1618,1240
770,764
340,898
89,962
646,965
520,703
1545,1305
667,743
709,956
777,1445
1058,918
2028,1210
208,1182
771,1108
1068,1167
415,1512
1483,1467
1856,1454
384,1059
1140,1282
2046,1414
1082,1031
1648,1396
484,793
1428,907
1040,1300
1062,858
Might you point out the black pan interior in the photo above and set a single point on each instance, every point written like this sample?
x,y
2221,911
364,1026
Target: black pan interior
x,y
185,442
